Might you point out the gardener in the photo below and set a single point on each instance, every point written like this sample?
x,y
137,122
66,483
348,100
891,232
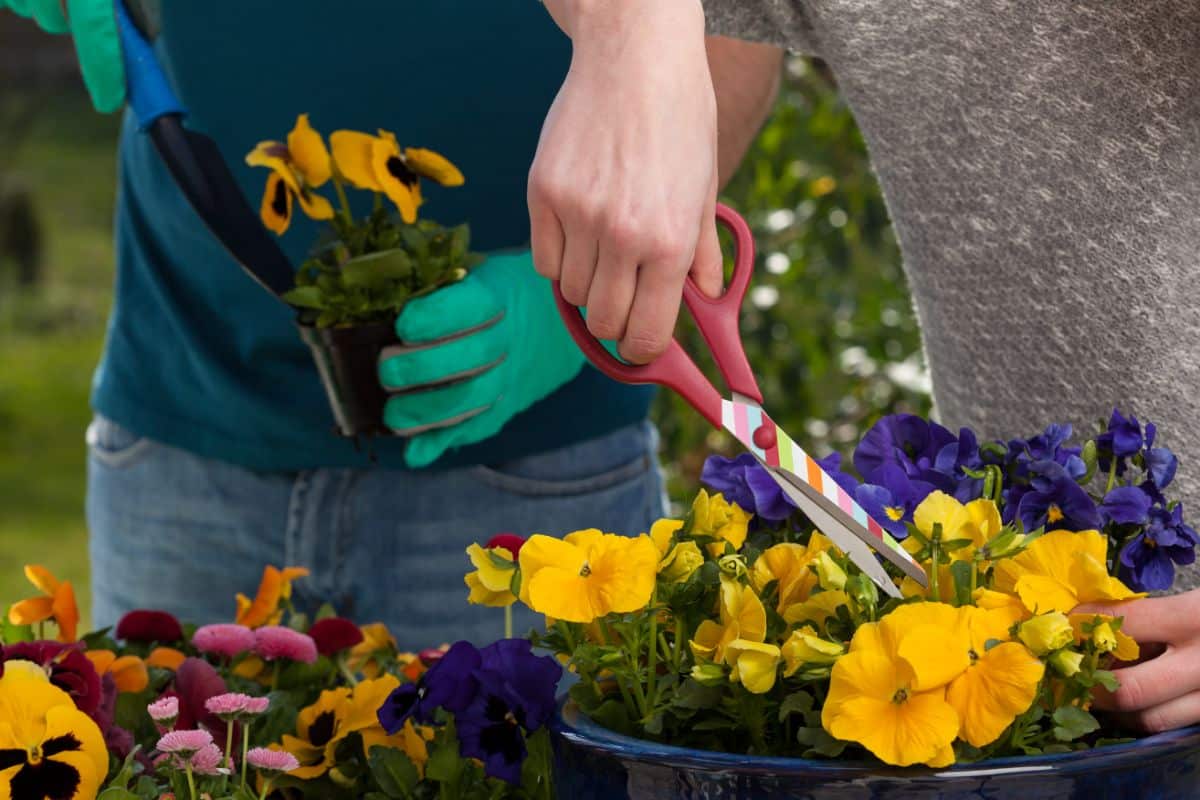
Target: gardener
x,y
1040,164
212,451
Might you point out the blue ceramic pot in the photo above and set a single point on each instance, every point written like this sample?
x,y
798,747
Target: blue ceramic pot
x,y
593,763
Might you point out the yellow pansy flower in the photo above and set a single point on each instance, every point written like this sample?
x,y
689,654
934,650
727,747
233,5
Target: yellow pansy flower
x,y
57,603
413,740
1107,638
274,590
378,164
662,533
713,515
297,167
42,733
1046,632
755,664
376,649
742,617
991,686
336,714
490,584
789,564
129,672
817,610
804,646
1061,570
587,574
829,574
889,692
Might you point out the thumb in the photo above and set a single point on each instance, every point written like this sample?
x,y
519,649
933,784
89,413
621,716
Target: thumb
x,y
1154,619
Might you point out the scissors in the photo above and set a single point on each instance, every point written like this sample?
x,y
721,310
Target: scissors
x,y
810,488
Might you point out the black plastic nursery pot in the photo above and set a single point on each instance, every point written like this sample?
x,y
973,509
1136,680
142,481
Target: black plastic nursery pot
x,y
347,360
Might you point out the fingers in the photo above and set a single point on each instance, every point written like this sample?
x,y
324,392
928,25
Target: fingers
x,y
1151,684
578,265
413,413
416,367
1176,713
546,237
655,309
1156,619
455,310
708,265
611,296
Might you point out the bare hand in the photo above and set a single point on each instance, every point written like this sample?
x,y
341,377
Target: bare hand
x,y
1162,691
623,188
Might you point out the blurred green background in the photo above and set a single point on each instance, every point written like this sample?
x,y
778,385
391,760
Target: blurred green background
x,y
829,327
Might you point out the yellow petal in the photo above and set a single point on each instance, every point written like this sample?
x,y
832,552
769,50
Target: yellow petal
x,y
914,731
755,664
740,606
623,572
493,576
805,647
1043,593
559,593
275,157
399,183
991,693
433,166
935,655
90,759
165,658
818,609
661,533
983,521
276,208
365,700
31,611
102,660
706,640
940,508
352,156
684,559
314,205
41,577
542,552
481,595
308,152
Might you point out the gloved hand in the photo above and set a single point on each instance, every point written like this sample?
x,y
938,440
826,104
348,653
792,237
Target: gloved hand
x,y
475,354
93,24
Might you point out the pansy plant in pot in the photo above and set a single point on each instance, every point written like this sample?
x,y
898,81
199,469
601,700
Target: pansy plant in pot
x,y
737,653
364,270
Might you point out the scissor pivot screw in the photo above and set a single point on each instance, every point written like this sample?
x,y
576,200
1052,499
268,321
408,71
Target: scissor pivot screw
x,y
764,436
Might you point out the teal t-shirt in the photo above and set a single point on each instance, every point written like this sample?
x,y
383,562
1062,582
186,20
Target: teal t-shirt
x,y
200,357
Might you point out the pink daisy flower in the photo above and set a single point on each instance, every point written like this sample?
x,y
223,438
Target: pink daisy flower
x,y
276,641
271,761
209,760
256,706
227,706
164,711
184,744
223,639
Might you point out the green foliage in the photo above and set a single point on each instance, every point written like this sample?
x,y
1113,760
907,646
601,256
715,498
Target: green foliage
x,y
374,267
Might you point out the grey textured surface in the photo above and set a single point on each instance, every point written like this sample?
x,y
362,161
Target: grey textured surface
x,y
1041,162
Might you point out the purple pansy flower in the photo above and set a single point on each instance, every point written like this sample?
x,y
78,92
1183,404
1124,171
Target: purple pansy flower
x,y
1126,505
905,440
892,501
1055,500
1148,560
744,481
450,684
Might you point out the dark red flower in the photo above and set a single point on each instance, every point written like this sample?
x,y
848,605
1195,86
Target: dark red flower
x,y
430,656
195,682
509,541
334,634
149,626
70,670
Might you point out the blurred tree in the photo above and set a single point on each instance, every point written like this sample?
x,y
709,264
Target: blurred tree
x,y
828,326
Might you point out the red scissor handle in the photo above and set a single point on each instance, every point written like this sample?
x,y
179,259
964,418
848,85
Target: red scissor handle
x,y
717,320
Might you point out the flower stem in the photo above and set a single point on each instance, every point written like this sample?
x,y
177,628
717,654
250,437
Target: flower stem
x,y
1112,474
652,659
934,540
344,668
508,616
266,789
245,749
228,752
191,781
341,193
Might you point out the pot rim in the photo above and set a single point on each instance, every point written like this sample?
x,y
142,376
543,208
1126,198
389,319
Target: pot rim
x,y
581,731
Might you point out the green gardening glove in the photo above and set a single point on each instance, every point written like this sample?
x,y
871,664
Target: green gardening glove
x,y
475,354
93,24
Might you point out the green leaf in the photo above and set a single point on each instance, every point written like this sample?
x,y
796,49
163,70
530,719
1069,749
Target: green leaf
x,y
445,764
795,703
1072,722
117,793
394,771
10,633
961,571
696,696
1106,679
305,297
378,270
819,742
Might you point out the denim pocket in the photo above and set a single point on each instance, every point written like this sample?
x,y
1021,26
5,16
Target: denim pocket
x,y
116,446
618,458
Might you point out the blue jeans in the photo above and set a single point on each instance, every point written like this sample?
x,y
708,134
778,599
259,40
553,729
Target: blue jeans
x,y
174,531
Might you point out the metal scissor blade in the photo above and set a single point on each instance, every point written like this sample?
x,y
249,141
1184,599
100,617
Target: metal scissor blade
x,y
862,555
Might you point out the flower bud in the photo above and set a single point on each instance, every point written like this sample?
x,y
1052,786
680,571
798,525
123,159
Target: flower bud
x,y
1046,632
805,647
830,575
683,560
1007,544
1066,662
709,674
1104,637
733,564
